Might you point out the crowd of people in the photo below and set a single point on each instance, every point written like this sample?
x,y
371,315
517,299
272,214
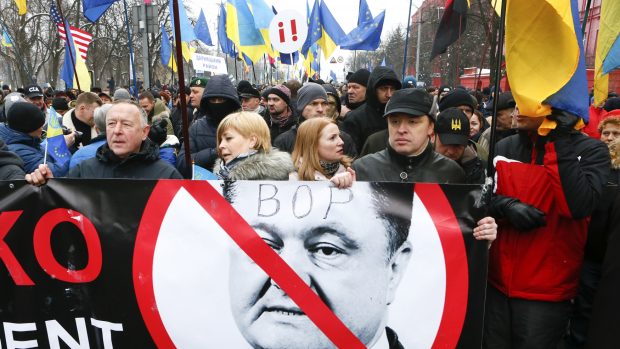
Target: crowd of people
x,y
553,199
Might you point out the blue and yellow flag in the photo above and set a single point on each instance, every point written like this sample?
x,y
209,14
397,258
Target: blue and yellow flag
x,y
167,58
242,30
6,39
187,32
56,145
226,44
70,73
544,58
201,30
607,49
202,174
332,34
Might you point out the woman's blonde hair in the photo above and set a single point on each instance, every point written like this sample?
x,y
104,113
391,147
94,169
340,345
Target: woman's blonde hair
x,y
248,124
306,151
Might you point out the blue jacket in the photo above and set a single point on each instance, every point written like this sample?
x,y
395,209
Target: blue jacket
x,y
31,152
87,152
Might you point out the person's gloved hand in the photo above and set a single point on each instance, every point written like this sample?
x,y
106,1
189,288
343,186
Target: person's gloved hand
x,y
522,216
565,122
159,131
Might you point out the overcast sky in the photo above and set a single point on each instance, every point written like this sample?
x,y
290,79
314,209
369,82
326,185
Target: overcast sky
x,y
345,11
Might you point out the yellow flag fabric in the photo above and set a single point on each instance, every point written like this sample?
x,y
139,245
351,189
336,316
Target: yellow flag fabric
x,y
241,30
172,63
542,52
609,30
187,51
308,63
81,72
21,7
328,46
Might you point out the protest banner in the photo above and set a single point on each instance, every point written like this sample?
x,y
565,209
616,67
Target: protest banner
x,y
213,64
198,264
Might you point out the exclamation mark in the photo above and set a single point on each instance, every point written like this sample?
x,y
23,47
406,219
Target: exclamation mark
x,y
281,31
294,29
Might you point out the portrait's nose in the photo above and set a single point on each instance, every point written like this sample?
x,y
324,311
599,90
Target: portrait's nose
x,y
298,260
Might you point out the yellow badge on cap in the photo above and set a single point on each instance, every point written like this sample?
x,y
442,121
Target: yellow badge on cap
x,y
456,124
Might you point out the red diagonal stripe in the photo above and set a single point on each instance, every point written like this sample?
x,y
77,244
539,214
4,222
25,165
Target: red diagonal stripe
x,y
264,256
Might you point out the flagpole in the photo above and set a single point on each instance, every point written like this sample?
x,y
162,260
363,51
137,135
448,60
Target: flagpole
x,y
179,59
130,44
69,44
407,40
498,74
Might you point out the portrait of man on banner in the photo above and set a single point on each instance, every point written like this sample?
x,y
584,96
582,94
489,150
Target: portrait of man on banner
x,y
352,248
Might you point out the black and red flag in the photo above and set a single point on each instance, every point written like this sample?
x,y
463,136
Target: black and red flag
x,y
451,27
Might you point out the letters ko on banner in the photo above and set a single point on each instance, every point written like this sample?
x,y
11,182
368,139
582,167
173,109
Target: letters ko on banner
x,y
198,264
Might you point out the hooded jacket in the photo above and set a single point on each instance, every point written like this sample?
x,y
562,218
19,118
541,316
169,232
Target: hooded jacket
x,y
368,118
30,151
11,166
202,134
144,164
275,165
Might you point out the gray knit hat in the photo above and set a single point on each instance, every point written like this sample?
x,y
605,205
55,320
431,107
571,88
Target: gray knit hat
x,y
309,92
121,94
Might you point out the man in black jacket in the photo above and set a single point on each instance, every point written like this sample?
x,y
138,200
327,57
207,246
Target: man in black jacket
x,y
11,166
128,153
368,118
220,98
409,156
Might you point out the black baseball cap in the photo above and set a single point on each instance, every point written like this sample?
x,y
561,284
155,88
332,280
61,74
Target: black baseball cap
x,y
452,127
410,101
33,91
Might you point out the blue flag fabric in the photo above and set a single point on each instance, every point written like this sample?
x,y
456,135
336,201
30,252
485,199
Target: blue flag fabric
x,y
574,97
166,50
201,30
612,60
262,13
285,58
67,72
202,174
314,29
94,9
226,44
383,62
367,37
364,16
56,145
333,75
187,32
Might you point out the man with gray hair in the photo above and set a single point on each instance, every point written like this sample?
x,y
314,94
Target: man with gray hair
x,y
90,150
128,153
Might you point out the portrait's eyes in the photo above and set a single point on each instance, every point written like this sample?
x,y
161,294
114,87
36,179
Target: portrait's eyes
x,y
326,251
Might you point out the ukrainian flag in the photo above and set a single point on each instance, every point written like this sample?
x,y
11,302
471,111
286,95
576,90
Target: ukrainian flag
x,y
607,49
21,7
6,39
242,30
332,34
544,58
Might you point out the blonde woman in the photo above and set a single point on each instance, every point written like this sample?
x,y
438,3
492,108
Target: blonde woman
x,y
319,154
245,152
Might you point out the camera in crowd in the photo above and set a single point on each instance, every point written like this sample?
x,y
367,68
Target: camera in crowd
x,y
78,134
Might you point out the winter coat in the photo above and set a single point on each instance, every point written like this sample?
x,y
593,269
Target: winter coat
x,y
564,179
202,133
389,166
274,165
87,152
11,166
318,176
145,164
30,150
368,118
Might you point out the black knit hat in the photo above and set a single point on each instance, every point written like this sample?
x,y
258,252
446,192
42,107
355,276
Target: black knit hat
x,y
456,98
25,117
360,77
612,103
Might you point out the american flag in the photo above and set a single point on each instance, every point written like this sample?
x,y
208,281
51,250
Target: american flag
x,y
82,38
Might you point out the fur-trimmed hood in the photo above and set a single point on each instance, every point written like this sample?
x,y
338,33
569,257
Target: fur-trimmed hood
x,y
275,165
